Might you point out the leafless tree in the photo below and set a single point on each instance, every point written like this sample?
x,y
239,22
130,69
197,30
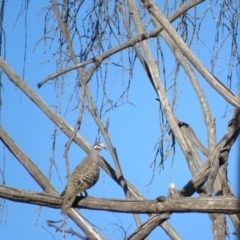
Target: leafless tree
x,y
93,41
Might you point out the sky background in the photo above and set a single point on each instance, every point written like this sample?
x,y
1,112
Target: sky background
x,y
134,130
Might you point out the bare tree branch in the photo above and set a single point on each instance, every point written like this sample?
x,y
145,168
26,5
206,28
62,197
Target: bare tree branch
x,y
228,205
130,43
212,80
220,154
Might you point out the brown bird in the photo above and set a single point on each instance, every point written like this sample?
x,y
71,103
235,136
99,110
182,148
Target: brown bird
x,y
84,176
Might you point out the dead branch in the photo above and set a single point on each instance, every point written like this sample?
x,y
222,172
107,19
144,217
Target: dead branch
x,y
212,80
228,205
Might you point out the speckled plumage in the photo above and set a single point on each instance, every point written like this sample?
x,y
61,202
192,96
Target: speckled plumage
x,y
84,176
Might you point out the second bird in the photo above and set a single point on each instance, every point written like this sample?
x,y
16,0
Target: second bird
x,y
84,176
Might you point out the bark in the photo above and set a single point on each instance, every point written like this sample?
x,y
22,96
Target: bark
x,y
228,205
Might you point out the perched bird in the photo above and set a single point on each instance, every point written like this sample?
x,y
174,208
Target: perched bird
x,y
84,176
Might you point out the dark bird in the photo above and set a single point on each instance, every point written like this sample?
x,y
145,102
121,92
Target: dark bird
x,y
84,176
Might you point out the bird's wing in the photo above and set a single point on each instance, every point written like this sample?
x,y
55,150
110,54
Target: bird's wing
x,y
84,176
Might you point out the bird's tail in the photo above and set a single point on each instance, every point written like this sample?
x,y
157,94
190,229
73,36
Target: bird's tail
x,y
67,203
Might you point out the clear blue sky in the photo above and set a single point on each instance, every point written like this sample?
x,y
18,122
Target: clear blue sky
x,y
134,131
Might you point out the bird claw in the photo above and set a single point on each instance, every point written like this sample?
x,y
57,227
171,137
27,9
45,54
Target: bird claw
x,y
83,196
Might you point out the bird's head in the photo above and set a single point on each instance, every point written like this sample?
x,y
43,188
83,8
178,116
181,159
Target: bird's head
x,y
99,146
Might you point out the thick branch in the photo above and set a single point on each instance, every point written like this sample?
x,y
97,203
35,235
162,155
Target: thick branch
x,y
227,205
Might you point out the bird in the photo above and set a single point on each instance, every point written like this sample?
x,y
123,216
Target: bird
x,y
84,176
